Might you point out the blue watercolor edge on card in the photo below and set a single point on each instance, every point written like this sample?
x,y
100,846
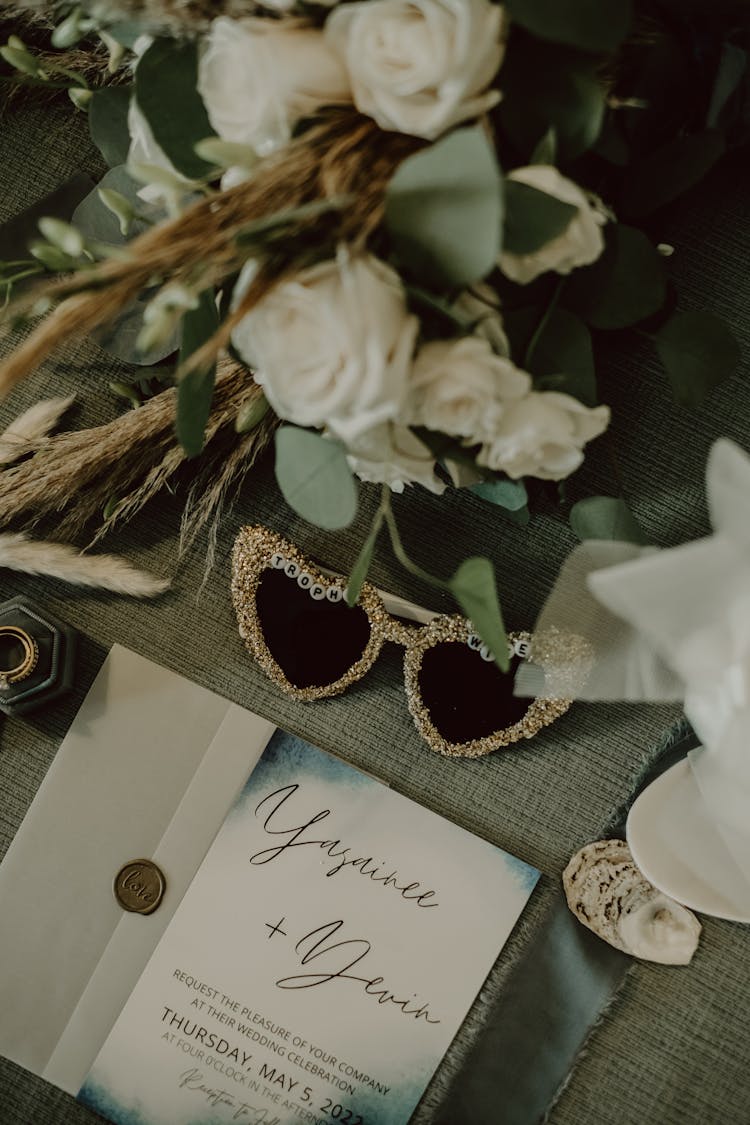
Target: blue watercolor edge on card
x,y
286,755
97,1097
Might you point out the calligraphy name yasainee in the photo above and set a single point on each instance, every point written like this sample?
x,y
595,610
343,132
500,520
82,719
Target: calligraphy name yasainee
x,y
295,835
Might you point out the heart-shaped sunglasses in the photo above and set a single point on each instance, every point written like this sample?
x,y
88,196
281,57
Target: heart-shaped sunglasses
x,y
295,621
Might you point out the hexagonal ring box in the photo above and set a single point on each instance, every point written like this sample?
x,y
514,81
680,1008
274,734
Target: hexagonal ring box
x,y
53,669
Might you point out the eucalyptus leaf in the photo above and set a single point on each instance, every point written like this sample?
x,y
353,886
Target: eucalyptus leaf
x,y
251,414
362,565
547,86
444,210
108,122
562,358
314,477
473,587
593,25
100,225
508,494
546,150
533,218
732,70
606,517
126,32
166,90
563,351
521,517
195,388
625,285
612,145
664,175
698,351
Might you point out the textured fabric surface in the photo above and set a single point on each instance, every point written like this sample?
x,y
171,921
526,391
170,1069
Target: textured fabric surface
x,y
673,1047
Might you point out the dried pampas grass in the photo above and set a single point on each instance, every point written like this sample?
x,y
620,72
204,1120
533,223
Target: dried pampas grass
x,y
57,560
108,473
344,160
28,431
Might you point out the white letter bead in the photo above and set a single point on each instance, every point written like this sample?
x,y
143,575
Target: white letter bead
x,y
522,649
278,562
485,653
474,642
317,592
292,569
304,580
334,594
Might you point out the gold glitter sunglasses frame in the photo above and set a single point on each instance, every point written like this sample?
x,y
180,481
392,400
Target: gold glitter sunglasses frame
x,y
257,549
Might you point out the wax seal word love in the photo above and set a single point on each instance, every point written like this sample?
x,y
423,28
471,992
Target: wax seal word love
x,y
139,886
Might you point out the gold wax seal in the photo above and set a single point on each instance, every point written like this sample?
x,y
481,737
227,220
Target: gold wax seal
x,y
139,886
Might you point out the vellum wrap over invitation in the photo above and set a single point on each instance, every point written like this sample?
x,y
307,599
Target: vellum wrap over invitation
x,y
149,768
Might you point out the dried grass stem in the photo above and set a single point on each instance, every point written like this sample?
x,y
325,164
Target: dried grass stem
x,y
344,155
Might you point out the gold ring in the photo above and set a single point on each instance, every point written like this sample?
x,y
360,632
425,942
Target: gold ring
x,y
28,661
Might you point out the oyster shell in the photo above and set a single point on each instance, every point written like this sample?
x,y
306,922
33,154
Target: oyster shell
x,y
606,891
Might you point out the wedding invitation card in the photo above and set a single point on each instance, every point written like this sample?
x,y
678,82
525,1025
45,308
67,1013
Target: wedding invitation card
x,y
320,963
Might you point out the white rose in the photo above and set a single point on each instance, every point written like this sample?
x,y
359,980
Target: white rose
x,y
459,386
542,435
258,77
420,66
580,243
480,308
393,455
333,346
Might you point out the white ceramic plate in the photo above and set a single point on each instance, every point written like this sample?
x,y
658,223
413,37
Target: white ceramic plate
x,y
680,852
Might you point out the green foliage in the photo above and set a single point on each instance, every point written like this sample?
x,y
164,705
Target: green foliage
x,y
508,494
108,122
546,150
101,225
473,587
605,517
533,218
545,87
561,357
664,175
364,558
166,81
314,477
698,351
625,285
592,25
195,388
251,414
125,32
444,210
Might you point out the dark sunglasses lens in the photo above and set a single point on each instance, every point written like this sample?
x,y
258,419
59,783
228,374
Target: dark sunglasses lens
x,y
314,642
466,696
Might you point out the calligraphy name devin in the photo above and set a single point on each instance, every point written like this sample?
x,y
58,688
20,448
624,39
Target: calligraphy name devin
x,y
296,835
333,961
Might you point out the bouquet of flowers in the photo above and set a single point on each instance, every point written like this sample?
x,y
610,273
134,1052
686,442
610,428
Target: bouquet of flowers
x,y
394,225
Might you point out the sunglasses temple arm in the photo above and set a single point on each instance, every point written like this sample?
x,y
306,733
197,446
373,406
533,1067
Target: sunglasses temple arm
x,y
396,606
